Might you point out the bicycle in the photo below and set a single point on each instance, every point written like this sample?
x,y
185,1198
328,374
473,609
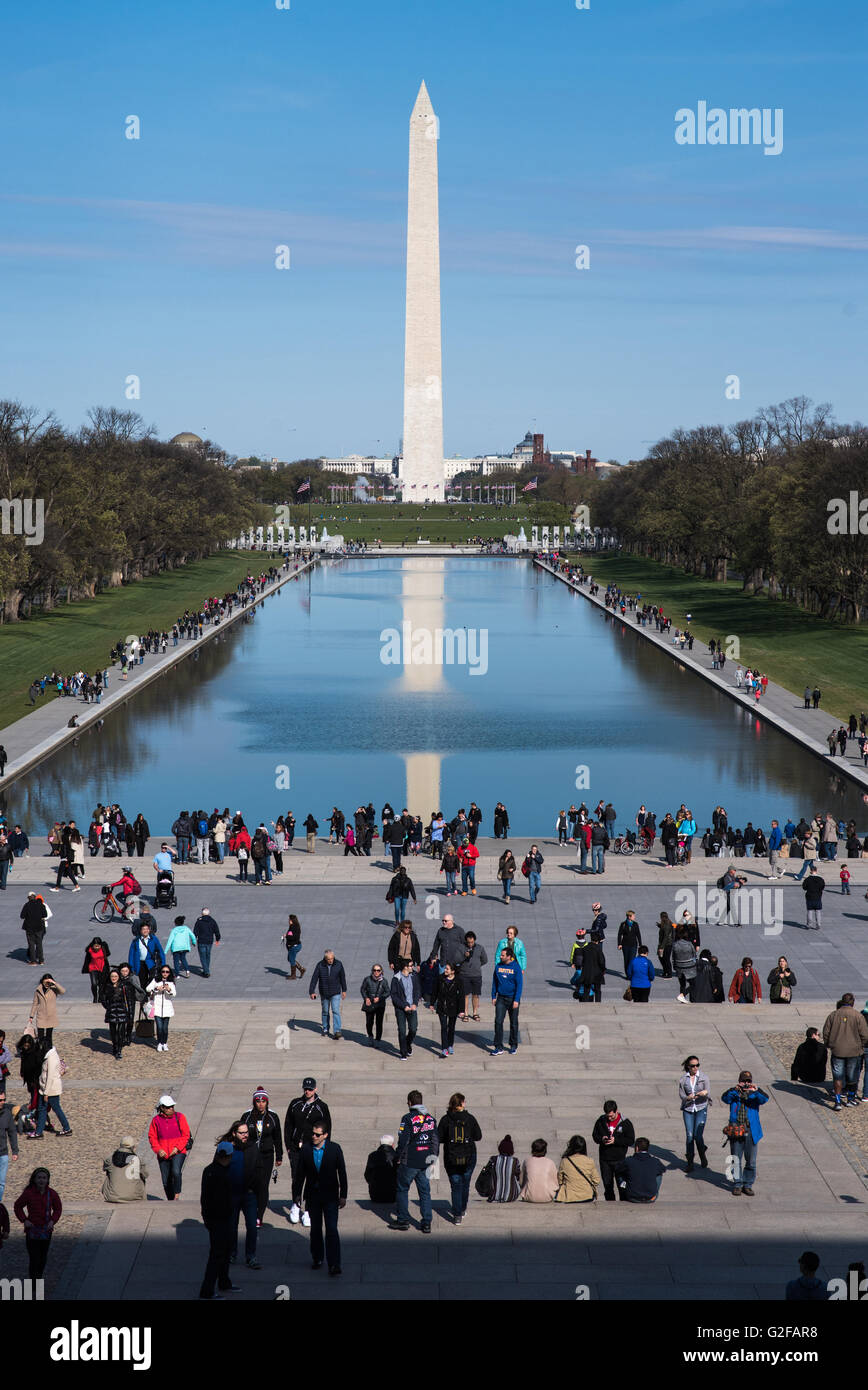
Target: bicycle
x,y
108,905
624,844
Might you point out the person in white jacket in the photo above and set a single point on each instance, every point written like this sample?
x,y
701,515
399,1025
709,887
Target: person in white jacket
x,y
162,992
50,1090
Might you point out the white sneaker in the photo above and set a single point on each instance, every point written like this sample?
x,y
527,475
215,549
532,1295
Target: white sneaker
x,y
294,1213
305,1219
680,999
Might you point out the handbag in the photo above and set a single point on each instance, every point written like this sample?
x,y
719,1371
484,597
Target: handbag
x,y
628,994
145,1027
525,868
485,1182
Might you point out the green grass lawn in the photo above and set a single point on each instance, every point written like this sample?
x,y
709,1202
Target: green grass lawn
x,y
396,524
81,635
791,647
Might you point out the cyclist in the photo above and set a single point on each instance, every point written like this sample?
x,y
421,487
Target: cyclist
x,y
127,886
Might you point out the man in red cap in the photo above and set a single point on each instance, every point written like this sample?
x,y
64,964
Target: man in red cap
x,y
264,1128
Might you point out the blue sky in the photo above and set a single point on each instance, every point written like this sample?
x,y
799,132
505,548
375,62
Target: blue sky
x,y
261,127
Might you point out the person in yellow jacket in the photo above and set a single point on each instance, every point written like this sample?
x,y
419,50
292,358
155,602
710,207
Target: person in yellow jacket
x,y
578,1178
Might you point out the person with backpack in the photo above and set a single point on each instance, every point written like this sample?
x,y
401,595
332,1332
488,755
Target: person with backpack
x,y
459,1133
418,1145
500,1179
125,1174
261,856
683,963
311,826
203,837
401,890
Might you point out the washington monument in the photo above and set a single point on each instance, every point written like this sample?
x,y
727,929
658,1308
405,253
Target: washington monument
x,y
422,471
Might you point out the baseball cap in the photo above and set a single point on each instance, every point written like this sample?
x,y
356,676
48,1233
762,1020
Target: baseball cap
x,y
165,1100
309,1083
224,1147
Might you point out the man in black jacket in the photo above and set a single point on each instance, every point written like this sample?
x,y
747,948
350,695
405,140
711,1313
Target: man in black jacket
x,y
264,1128
474,819
615,1136
329,979
809,1063
380,1172
33,915
406,992
639,1177
216,1203
304,1112
323,1175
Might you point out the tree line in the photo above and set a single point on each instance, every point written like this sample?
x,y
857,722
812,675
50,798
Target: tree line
x,y
774,500
116,502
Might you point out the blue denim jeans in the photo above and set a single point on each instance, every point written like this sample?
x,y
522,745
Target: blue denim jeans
x,y
205,956
460,1185
694,1125
598,859
47,1103
334,1003
450,880
406,1177
744,1166
401,908
292,954
4,1165
468,878
170,1172
179,962
162,1027
221,850
247,1204
534,883
182,845
4,872
583,857
507,887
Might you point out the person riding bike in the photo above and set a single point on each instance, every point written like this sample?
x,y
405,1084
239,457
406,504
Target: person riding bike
x,y
127,886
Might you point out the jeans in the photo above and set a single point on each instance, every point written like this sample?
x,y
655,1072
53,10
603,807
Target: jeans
x,y
375,1017
406,1177
4,1164
35,942
583,857
170,1172
47,1103
846,1070
221,849
450,880
179,962
4,872
333,1003
407,1025
744,1167
205,956
694,1125
182,845
507,887
502,1007
202,849
320,1213
397,851
292,954
247,1203
401,908
534,883
460,1185
217,1268
598,859
162,1027
262,869
804,869
748,851
468,878
815,917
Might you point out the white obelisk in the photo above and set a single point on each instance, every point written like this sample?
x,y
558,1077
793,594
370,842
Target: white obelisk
x,y
422,470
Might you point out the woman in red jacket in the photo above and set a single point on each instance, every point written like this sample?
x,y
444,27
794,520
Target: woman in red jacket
x,y
39,1209
169,1137
96,966
745,987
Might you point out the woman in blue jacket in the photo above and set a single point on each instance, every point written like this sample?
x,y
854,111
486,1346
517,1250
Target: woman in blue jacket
x,y
745,1132
641,974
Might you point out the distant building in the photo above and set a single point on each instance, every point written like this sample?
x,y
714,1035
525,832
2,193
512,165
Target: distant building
x,y
358,464
186,440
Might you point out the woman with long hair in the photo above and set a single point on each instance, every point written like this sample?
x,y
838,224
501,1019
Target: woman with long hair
x,y
119,1004
292,941
30,1065
162,991
745,987
578,1177
782,982
96,965
38,1209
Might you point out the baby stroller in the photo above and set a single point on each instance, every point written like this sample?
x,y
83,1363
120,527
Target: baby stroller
x,y
110,847
165,894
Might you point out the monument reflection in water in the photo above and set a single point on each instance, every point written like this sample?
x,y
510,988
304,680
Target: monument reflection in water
x,y
305,688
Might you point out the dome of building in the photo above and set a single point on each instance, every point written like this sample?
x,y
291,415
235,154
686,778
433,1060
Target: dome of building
x,y
186,439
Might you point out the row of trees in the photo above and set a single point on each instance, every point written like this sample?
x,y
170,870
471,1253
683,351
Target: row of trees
x,y
768,499
115,503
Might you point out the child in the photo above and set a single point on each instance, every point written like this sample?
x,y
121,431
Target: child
x,y
427,975
845,879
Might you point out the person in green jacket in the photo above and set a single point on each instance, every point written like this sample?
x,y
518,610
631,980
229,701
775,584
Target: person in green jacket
x,y
181,940
512,942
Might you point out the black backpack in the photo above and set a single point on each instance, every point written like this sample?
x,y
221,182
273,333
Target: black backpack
x,y
460,1147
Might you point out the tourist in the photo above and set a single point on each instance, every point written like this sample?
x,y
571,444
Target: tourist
x,y
219,835
844,875
406,992
141,834
30,1065
577,1176
641,973
512,942
303,1115
809,851
506,873
639,1177
34,915
501,821
216,1208
665,940
207,933
169,1137
404,946
459,1133
311,826
475,957
775,840
119,1003
599,924
291,939
394,834
684,963
746,987
381,1173
807,1288
244,1184
418,1143
500,1179
162,991
447,998
264,1127
561,827
782,982
125,1175
350,843
744,1131
261,856
43,1010
329,980
39,1209
322,1186
809,1061
584,833
448,945
591,971
669,838
146,956
181,940
474,820
693,1093
629,939
375,992
240,846
8,1138
539,1176
813,891
438,825
614,1136
50,1089
532,869
136,994
6,857
506,989
449,865
467,857
163,860
182,830
96,958
845,1034
401,890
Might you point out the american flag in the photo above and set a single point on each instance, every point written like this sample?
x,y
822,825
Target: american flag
x,y
305,487
529,487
